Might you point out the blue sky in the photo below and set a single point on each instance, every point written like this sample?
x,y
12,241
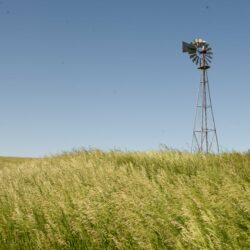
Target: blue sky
x,y
111,74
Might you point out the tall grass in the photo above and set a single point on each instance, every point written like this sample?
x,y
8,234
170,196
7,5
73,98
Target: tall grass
x,y
121,200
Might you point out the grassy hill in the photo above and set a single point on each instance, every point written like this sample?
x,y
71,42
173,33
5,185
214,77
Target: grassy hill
x,y
122,200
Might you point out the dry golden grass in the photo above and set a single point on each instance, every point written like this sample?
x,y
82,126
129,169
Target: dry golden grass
x,y
126,200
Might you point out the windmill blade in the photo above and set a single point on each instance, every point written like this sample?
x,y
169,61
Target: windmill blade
x,y
207,59
209,53
206,45
208,49
192,56
207,62
195,58
209,56
199,63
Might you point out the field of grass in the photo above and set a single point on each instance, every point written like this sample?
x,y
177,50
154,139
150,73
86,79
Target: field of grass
x,y
125,200
11,161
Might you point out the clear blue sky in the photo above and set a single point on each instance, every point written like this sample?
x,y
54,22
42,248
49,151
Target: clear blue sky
x,y
111,74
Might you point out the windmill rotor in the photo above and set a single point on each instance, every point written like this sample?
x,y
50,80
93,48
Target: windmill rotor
x,y
199,52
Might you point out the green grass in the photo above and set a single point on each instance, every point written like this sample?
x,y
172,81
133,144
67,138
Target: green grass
x,y
121,200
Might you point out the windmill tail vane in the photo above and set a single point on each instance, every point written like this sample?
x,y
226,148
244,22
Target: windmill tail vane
x,y
205,137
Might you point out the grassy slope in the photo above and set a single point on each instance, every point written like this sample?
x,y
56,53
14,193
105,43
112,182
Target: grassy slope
x,y
118,200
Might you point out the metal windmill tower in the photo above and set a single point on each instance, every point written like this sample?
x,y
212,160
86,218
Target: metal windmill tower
x,y
204,133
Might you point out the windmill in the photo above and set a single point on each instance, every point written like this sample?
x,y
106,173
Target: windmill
x,y
204,133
